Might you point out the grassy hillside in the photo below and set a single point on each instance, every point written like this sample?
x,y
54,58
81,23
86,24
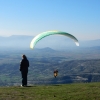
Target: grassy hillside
x,y
79,91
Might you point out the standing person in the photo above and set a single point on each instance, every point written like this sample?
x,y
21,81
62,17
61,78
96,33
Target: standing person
x,y
24,64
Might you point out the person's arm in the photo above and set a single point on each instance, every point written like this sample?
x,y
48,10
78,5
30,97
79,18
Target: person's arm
x,y
20,66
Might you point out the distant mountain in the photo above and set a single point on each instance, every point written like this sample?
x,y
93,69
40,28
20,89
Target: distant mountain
x,y
16,41
54,42
47,49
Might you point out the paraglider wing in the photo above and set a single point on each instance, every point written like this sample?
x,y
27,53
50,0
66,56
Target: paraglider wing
x,y
44,34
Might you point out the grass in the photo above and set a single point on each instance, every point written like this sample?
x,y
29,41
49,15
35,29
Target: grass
x,y
75,91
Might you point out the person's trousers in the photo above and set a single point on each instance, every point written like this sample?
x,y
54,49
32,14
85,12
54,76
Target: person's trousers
x,y
24,77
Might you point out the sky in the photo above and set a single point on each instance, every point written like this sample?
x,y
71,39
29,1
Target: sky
x,y
80,18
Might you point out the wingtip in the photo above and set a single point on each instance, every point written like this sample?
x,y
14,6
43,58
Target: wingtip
x,y
77,44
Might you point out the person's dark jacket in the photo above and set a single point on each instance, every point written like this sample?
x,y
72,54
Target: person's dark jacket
x,y
24,64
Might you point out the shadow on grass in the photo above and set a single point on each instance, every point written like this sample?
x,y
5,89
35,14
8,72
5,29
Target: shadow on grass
x,y
25,86
30,86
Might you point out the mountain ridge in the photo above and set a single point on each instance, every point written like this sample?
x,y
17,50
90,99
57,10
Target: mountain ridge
x,y
54,42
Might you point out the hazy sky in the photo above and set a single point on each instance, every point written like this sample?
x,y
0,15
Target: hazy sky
x,y
80,18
